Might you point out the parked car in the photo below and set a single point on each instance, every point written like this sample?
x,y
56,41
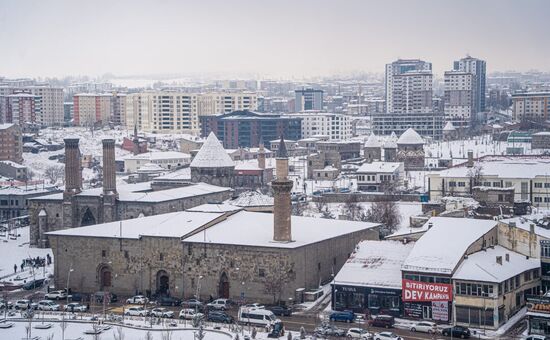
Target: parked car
x,y
386,321
280,310
137,300
359,333
75,307
345,316
22,304
48,305
254,305
98,296
56,295
456,332
6,304
135,311
425,327
536,337
161,312
219,304
76,297
33,284
277,331
192,303
329,330
168,301
190,314
220,317
386,336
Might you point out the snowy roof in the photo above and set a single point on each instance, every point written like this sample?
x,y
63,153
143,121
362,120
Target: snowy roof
x,y
375,264
150,167
442,247
256,229
212,155
410,136
373,142
215,207
449,127
252,199
158,155
504,167
13,164
176,224
6,126
379,167
483,266
540,220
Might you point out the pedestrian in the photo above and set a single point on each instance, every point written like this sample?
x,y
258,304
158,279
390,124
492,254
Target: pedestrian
x,y
15,268
22,266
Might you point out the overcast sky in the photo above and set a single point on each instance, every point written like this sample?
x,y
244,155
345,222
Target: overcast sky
x,y
264,38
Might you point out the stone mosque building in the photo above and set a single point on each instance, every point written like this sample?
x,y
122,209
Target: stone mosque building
x,y
210,252
76,207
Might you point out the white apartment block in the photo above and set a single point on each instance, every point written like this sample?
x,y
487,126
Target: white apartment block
x,y
178,112
333,125
409,86
533,106
459,98
51,101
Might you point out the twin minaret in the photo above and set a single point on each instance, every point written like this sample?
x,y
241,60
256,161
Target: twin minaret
x,y
281,187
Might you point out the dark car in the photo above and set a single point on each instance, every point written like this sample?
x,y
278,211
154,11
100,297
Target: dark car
x,y
33,284
386,321
456,332
280,310
219,317
77,297
168,301
345,316
277,331
98,296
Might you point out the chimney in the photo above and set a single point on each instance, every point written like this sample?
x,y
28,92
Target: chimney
x,y
532,228
470,163
282,187
73,168
261,156
507,257
499,260
430,225
109,174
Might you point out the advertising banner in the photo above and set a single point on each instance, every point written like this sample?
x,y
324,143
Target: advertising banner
x,y
440,310
417,291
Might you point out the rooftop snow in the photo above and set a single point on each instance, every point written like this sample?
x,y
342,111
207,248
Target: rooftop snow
x,y
176,224
212,155
215,207
379,167
442,247
160,155
449,127
252,199
373,142
540,220
375,264
410,136
482,265
503,167
256,229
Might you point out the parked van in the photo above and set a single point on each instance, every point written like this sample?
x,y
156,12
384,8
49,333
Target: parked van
x,y
256,316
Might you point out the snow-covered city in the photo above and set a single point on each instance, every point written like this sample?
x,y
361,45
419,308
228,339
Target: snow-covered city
x,y
210,170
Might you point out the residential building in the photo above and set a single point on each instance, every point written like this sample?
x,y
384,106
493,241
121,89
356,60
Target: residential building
x,y
478,69
11,144
13,170
23,108
428,125
334,125
118,108
68,111
380,176
14,198
50,110
531,106
308,99
346,149
540,140
169,160
92,108
409,86
247,128
460,98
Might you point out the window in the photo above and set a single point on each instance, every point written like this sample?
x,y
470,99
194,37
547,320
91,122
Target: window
x,y
538,199
126,255
319,266
261,272
452,184
161,257
103,253
538,185
461,184
189,250
496,184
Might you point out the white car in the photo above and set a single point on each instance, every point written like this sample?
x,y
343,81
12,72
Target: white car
x,y
386,336
190,314
255,306
425,327
56,295
358,333
48,305
135,311
162,313
75,307
219,304
535,337
137,300
22,304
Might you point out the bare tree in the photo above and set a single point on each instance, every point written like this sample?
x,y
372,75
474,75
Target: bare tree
x,y
54,173
276,280
298,208
476,175
354,211
166,334
119,333
385,213
148,335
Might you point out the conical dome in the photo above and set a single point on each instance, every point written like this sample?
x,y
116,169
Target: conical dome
x,y
373,142
410,137
212,155
449,127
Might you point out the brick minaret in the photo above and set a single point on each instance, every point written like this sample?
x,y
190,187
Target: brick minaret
x,y
282,187
73,171
109,172
135,140
261,156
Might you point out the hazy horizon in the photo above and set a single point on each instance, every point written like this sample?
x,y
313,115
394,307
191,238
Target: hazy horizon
x,y
260,39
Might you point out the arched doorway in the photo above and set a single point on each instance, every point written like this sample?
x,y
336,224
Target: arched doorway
x,y
224,286
163,283
105,278
88,218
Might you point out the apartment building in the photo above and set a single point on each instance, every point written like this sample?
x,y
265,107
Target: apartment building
x,y
409,86
460,98
333,125
531,106
476,67
91,108
11,145
308,99
50,101
22,108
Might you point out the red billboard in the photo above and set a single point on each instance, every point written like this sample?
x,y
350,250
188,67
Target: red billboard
x,y
426,291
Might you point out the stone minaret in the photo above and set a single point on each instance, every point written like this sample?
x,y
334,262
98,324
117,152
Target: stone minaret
x,y
109,181
73,171
261,156
135,140
282,187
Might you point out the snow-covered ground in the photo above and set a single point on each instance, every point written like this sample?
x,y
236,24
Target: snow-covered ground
x,y
12,252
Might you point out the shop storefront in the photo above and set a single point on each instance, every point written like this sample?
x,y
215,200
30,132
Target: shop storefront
x,y
371,300
430,300
538,314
